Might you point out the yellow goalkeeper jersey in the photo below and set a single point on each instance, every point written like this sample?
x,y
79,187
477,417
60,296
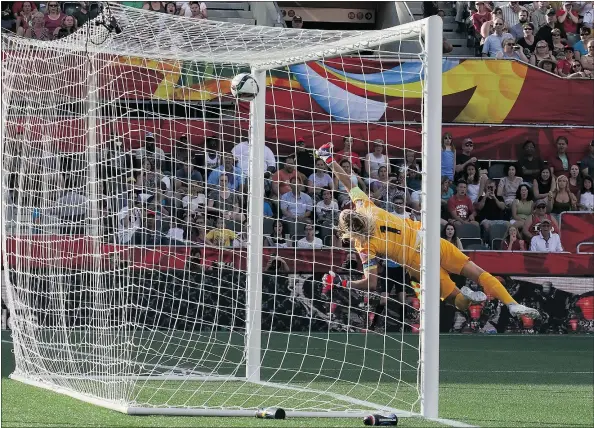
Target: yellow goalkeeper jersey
x,y
394,238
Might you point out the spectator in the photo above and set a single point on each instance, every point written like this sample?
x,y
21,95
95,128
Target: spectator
x,y
528,41
460,206
198,236
587,60
449,234
186,174
242,153
465,158
24,19
150,233
297,22
83,14
147,180
493,43
529,164
310,240
397,207
561,199
67,27
585,196
448,156
129,219
587,163
511,13
542,53
304,158
510,50
186,9
559,45
211,158
578,72
327,209
490,208
512,240
242,238
343,196
154,6
523,205
546,241
569,18
337,241
37,28
229,169
481,16
224,202
544,184
277,238
588,19
375,159
517,30
545,32
575,179
549,65
348,153
198,10
53,17
295,204
319,180
565,66
170,8
475,182
532,224
175,234
221,236
446,193
560,164
195,199
281,179
412,170
539,15
149,149
581,47
508,185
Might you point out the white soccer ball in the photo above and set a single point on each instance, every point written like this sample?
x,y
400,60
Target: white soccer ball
x,y
244,87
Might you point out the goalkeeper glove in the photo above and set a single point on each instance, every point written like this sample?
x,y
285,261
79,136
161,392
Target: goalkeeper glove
x,y
326,153
332,280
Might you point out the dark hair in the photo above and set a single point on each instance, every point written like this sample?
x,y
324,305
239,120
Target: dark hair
x,y
290,157
443,232
540,174
477,175
508,166
530,196
583,189
528,142
345,160
562,137
274,224
461,181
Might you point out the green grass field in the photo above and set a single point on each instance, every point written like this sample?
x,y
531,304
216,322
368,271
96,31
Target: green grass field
x,y
485,381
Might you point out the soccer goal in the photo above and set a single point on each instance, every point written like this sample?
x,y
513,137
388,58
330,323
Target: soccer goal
x,y
154,262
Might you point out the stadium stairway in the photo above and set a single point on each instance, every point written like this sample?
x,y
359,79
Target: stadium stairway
x,y
236,12
457,40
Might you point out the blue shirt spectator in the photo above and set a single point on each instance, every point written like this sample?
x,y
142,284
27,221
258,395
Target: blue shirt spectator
x,y
188,172
493,43
233,172
267,210
296,204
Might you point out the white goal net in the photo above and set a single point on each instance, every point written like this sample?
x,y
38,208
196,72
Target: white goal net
x,y
164,243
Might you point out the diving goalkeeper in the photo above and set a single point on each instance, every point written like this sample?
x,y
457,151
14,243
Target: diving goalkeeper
x,y
377,234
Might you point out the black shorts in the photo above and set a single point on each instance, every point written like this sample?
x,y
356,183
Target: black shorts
x,y
394,280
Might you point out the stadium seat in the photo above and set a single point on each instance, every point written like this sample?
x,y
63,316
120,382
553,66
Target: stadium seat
x,y
497,231
268,226
293,228
496,171
468,230
476,247
497,244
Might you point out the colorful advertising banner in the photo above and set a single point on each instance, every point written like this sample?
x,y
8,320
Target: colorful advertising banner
x,y
476,91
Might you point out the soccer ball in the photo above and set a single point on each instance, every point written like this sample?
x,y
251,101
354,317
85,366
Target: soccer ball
x,y
244,87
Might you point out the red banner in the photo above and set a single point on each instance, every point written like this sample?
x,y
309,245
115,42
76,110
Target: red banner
x,y
75,252
577,228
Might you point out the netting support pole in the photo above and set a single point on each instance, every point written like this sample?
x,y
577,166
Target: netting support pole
x,y
431,204
255,230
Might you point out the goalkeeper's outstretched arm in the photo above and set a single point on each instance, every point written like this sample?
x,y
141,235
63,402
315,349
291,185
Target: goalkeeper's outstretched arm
x,y
326,153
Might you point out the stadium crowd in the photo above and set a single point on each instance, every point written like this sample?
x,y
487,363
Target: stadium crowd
x,y
555,36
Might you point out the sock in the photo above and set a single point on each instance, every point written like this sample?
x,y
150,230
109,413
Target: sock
x,y
461,302
493,287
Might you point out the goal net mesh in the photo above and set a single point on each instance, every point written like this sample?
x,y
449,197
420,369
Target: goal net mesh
x,y
126,187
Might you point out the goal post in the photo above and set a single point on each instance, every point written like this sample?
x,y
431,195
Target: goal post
x,y
137,286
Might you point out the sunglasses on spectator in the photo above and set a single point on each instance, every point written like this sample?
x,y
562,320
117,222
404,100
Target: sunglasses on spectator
x,y
541,46
576,65
541,206
469,144
527,29
499,25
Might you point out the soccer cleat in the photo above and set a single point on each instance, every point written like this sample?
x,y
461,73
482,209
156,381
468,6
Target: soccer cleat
x,y
517,310
473,296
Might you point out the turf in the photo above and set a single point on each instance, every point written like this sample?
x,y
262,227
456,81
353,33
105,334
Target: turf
x,y
485,381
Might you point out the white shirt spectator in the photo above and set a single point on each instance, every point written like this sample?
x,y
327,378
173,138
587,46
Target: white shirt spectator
x,y
589,18
587,200
141,153
304,243
194,203
127,228
323,209
297,205
552,245
242,154
176,233
320,181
